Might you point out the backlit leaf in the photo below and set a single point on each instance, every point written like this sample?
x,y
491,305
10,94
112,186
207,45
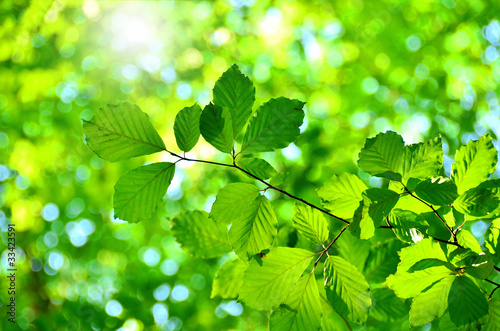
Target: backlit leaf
x,y
187,127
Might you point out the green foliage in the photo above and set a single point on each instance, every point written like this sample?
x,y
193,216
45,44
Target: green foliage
x,y
431,259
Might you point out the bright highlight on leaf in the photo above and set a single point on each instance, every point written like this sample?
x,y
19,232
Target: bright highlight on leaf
x,y
342,194
119,132
139,192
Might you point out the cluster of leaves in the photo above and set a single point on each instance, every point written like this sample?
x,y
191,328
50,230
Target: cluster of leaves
x,y
442,267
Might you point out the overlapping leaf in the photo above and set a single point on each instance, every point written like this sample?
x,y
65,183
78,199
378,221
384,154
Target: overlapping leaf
x,y
231,200
235,92
229,279
257,167
422,160
342,194
407,225
438,191
466,302
310,223
187,127
139,192
347,290
477,202
200,235
119,132
275,125
268,282
216,127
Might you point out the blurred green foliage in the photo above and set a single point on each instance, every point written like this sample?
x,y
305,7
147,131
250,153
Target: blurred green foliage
x,y
422,68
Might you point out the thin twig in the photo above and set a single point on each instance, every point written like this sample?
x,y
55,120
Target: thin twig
x,y
435,212
496,288
448,242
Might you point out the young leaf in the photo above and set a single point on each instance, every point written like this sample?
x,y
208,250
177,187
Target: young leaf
x,y
140,191
424,249
474,162
493,322
467,240
431,303
353,250
382,262
407,225
466,302
119,132
387,307
477,202
382,156
235,92
231,200
254,229
438,191
408,285
347,290
187,127
492,242
200,235
310,223
362,225
275,125
257,167
422,160
302,309
342,194
278,179
268,283
216,127
229,279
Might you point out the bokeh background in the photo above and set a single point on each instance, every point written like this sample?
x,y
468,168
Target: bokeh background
x,y
422,68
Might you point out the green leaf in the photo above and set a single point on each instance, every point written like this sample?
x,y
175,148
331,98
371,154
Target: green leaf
x,y
424,249
431,303
119,132
474,163
477,202
200,235
236,92
407,225
278,179
493,322
387,307
216,127
382,262
254,229
229,279
347,290
408,285
187,127
422,160
275,125
492,242
268,282
466,302
310,223
382,155
342,194
231,200
353,250
302,309
140,191
438,191
466,239
257,167
376,205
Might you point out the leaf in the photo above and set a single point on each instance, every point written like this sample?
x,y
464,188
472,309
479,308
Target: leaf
x,y
382,262
382,155
466,302
231,200
492,242
254,229
302,309
474,163
229,279
187,127
466,239
278,179
275,125
119,132
236,93
493,322
407,225
140,191
310,223
257,167
347,290
376,205
216,127
342,194
438,191
200,235
387,307
408,285
424,249
269,282
422,160
476,202
431,303
353,250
